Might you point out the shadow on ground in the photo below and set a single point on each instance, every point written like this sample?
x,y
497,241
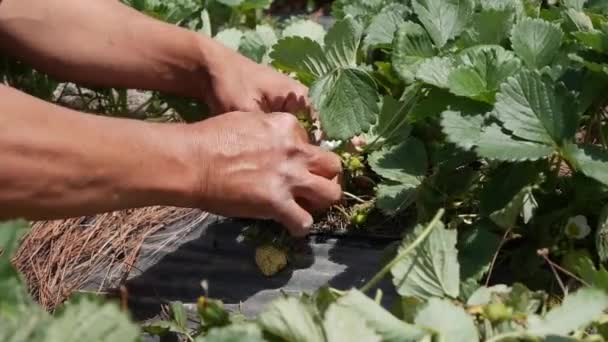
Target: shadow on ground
x,y
213,252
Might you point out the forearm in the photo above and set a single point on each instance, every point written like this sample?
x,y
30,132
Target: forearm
x,y
106,43
60,163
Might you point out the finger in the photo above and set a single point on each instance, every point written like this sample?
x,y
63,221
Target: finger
x,y
319,193
297,220
323,163
276,103
307,205
250,105
289,123
264,105
296,104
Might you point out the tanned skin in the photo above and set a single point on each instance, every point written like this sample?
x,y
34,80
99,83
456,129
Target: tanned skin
x,y
251,160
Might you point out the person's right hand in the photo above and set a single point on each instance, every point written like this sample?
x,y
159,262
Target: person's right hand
x,y
256,165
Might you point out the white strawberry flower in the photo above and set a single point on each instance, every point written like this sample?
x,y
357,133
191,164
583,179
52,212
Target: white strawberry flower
x,y
577,227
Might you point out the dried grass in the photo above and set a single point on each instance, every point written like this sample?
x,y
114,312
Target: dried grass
x,y
60,257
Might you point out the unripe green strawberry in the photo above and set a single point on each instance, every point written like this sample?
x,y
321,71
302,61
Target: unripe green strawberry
x,y
212,312
270,259
355,164
359,219
497,312
304,119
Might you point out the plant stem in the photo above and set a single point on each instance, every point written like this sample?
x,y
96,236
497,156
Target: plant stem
x,y
502,242
343,211
563,270
355,197
82,97
378,298
58,100
543,253
400,111
387,268
141,106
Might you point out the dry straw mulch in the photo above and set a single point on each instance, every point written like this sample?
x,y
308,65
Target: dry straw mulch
x,y
60,257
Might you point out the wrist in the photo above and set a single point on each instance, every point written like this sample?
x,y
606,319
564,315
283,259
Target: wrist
x,y
214,59
172,178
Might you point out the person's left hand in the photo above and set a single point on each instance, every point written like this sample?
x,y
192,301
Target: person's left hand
x,y
239,84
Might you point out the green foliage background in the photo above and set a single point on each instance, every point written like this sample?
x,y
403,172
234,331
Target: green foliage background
x,y
486,119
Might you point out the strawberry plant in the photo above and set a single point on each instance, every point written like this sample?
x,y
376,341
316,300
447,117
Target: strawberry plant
x,y
483,121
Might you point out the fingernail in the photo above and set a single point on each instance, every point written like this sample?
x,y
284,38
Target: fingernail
x,y
309,222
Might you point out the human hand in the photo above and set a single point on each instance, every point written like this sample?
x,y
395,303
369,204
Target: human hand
x,y
257,165
237,83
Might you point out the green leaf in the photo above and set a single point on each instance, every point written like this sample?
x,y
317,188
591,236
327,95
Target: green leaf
x,y
496,144
347,101
163,327
305,29
291,319
13,294
467,128
231,38
483,295
577,311
390,328
516,6
592,161
536,41
594,40
301,55
384,25
579,262
490,26
10,233
342,324
405,166
578,5
410,47
342,43
476,249
249,5
233,333
578,20
206,22
405,163
523,300
436,71
598,68
480,72
392,197
231,3
439,100
461,129
503,196
601,235
534,108
345,96
179,314
444,19
432,270
256,44
84,319
599,6
392,126
450,322
28,326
